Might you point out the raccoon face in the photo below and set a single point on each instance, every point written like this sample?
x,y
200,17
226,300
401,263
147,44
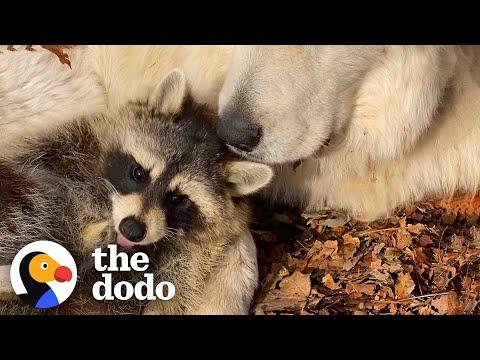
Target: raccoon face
x,y
170,172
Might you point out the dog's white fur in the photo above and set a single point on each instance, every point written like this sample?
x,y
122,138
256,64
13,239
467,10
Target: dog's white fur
x,y
37,92
404,122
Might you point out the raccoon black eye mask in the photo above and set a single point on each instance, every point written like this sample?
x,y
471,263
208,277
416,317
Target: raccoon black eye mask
x,y
171,175
128,177
125,174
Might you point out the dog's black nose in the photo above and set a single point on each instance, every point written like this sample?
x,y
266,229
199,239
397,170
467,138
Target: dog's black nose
x,y
132,229
239,133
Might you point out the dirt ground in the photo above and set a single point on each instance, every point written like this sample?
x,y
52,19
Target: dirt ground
x,y
423,260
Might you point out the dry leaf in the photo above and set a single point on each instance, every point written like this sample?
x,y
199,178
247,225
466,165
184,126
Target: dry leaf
x,y
367,289
276,300
337,263
420,256
392,254
457,242
384,263
425,310
328,281
386,292
59,50
377,248
297,284
404,239
349,247
349,239
329,218
425,240
404,286
374,263
291,297
475,234
322,251
446,304
416,229
278,273
393,267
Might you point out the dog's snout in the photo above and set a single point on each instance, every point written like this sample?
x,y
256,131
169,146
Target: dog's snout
x,y
133,229
239,133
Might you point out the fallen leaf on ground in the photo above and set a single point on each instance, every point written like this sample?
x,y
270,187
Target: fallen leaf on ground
x,y
416,229
277,301
425,240
349,239
404,239
328,281
277,274
320,252
446,304
367,289
296,284
291,297
404,286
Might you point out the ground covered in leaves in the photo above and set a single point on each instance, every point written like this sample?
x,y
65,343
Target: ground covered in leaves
x,y
423,260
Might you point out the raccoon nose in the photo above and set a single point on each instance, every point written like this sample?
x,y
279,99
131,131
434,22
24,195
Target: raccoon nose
x,y
239,133
132,229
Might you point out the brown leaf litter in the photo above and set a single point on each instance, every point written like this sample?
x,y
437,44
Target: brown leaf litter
x,y
424,260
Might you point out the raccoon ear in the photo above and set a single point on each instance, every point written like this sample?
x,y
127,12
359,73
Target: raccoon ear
x,y
169,94
248,177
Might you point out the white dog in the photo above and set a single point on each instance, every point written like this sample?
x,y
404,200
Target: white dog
x,y
373,126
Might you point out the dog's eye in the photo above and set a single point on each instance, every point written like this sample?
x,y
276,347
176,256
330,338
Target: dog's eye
x,y
138,174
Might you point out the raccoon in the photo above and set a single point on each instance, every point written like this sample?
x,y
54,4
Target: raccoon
x,y
151,176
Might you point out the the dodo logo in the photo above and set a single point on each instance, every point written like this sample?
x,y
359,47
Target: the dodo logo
x,y
43,274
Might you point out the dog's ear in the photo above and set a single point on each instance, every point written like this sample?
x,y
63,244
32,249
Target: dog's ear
x,y
247,177
170,93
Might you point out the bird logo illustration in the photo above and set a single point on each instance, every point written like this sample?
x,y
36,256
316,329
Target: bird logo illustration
x,y
43,275
36,270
